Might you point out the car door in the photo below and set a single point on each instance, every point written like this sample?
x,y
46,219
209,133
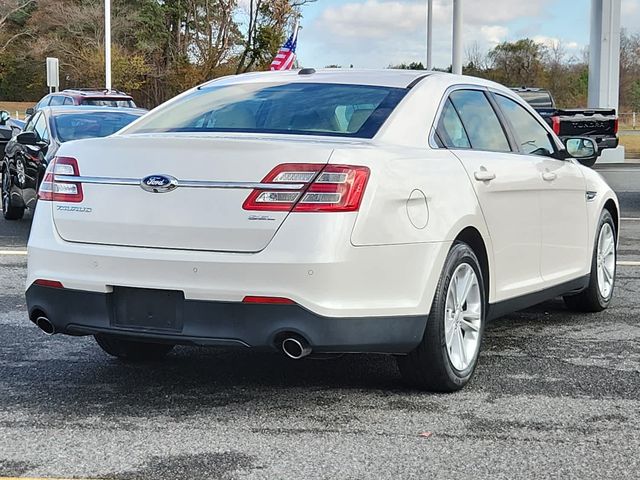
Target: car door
x,y
564,250
34,160
506,185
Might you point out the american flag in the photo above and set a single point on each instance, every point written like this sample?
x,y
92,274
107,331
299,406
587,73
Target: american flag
x,y
287,54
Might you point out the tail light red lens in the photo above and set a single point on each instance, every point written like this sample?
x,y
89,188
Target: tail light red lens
x,y
615,126
322,188
555,123
48,283
55,188
268,300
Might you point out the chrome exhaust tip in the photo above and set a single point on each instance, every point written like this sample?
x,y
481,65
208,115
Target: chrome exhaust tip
x,y
295,347
45,325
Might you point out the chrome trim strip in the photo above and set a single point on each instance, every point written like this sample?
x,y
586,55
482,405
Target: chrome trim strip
x,y
184,183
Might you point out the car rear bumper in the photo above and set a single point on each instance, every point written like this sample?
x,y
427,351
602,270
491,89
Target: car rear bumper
x,y
77,312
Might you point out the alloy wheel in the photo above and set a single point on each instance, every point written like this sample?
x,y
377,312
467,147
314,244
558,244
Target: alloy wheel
x,y
606,260
463,317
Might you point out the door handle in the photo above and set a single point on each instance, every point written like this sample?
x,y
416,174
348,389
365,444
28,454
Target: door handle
x,y
484,175
549,176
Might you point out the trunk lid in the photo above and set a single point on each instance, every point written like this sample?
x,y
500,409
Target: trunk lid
x,y
192,218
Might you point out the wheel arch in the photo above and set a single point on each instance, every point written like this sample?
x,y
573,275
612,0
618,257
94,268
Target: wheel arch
x,y
472,237
612,208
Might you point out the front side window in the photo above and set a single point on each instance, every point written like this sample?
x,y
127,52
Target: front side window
x,y
32,122
280,108
44,102
450,128
41,128
68,101
480,121
533,138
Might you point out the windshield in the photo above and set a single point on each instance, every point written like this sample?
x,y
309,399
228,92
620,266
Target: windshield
x,y
108,102
74,126
289,108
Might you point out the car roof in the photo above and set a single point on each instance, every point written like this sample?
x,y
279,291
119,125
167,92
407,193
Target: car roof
x,y
93,92
388,77
90,109
384,77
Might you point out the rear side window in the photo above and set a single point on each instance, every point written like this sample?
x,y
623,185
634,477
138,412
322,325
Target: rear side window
x,y
281,108
56,100
533,138
480,121
450,128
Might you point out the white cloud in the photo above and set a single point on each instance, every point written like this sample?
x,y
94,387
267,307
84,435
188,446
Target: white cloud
x,y
494,34
375,33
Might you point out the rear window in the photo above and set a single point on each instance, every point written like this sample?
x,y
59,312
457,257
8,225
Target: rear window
x,y
539,99
74,126
108,102
290,108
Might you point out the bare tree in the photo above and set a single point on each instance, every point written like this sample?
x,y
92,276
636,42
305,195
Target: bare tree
x,y
9,9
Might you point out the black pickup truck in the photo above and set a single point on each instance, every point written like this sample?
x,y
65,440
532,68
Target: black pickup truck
x,y
601,124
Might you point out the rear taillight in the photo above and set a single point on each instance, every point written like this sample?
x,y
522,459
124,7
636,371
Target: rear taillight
x,y
41,282
55,188
555,123
615,126
330,188
268,300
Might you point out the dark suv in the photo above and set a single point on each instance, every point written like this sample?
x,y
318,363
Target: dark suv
x,y
85,96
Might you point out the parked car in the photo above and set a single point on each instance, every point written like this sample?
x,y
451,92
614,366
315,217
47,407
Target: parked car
x,y
28,153
84,96
6,131
321,211
600,124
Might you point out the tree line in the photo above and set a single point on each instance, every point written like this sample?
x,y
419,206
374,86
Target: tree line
x,y
159,47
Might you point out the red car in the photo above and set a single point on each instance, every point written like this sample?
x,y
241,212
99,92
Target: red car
x,y
85,96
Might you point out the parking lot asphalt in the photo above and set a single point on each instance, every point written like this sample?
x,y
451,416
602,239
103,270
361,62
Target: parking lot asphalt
x,y
556,395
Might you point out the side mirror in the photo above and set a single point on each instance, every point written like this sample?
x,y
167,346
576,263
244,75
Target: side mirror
x,y
581,148
29,111
27,138
4,116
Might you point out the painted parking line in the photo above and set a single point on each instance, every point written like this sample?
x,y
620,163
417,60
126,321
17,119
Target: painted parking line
x,y
628,263
35,478
630,219
12,252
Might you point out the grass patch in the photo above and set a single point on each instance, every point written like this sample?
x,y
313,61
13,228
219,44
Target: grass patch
x,y
630,142
13,107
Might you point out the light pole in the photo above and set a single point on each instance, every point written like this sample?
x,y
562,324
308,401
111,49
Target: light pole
x,y
107,44
429,65
456,64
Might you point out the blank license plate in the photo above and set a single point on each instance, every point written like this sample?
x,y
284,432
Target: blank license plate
x,y
147,309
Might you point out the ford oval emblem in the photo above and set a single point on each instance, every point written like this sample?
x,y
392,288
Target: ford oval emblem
x,y
159,183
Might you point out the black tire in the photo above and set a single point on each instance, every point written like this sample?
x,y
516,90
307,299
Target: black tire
x,y
9,211
428,367
131,350
590,299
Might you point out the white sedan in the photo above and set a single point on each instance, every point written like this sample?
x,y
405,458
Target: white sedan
x,y
321,211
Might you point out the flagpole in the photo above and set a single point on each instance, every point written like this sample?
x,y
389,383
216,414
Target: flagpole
x,y
295,30
107,44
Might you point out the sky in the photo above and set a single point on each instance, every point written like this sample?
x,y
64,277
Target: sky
x,y
378,33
